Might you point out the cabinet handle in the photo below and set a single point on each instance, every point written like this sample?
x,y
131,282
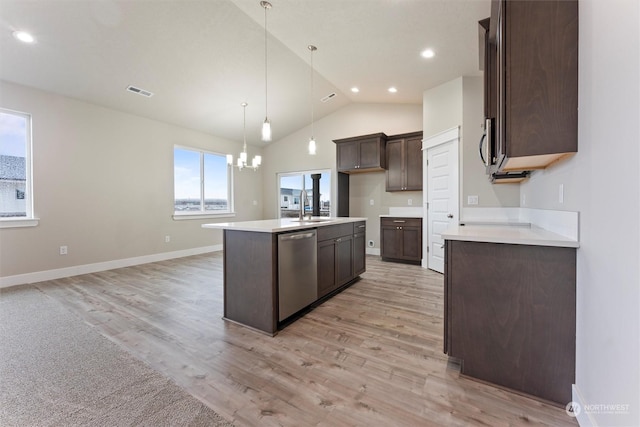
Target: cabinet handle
x,y
338,240
361,226
399,221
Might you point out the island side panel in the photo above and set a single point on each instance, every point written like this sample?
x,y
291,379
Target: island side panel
x,y
250,278
513,315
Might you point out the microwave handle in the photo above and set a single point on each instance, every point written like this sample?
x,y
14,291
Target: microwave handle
x,y
488,159
484,136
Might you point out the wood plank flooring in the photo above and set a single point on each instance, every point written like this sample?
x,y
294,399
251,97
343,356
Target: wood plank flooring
x,y
370,356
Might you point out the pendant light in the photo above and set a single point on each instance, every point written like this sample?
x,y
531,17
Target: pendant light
x,y
312,140
242,159
266,126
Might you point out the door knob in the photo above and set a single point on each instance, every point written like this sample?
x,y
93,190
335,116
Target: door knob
x,y
449,215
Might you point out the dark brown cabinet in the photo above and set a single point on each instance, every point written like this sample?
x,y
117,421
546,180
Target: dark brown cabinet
x,y
335,257
531,83
404,162
251,294
401,239
359,248
510,315
361,153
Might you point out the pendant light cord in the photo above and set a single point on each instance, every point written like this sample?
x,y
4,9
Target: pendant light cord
x,y
312,48
265,63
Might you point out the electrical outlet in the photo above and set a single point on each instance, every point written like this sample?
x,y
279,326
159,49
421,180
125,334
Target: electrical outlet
x,y
371,202
64,250
472,200
255,203
410,202
524,199
167,239
370,243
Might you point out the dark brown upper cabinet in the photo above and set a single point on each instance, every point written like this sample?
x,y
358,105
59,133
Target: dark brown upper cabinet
x,y
404,162
531,84
361,153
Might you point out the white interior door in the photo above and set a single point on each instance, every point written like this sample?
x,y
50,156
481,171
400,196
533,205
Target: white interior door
x,y
442,198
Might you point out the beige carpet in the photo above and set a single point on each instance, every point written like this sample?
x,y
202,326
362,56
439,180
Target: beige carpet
x,y
56,370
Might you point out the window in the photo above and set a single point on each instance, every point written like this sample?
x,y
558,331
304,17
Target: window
x,y
16,195
202,183
292,184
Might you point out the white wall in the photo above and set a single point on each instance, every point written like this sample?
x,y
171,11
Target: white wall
x,y
103,186
290,154
601,182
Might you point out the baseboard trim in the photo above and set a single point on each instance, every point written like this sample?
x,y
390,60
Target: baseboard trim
x,y
584,417
373,251
59,273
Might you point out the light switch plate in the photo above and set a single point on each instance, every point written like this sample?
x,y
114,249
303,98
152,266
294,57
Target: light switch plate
x,y
472,200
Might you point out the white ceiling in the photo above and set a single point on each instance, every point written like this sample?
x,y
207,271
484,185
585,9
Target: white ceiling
x,y
202,59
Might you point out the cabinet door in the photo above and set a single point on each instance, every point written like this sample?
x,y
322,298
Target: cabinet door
x,y
344,260
370,154
347,155
359,249
326,267
395,167
412,243
413,164
390,241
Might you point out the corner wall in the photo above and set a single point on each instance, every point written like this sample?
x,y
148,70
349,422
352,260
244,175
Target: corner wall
x,y
103,186
601,182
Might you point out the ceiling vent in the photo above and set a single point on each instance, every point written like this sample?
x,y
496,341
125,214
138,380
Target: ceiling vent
x,y
328,97
140,91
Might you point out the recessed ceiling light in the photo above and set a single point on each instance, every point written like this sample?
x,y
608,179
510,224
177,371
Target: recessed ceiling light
x,y
428,53
24,37
355,89
392,89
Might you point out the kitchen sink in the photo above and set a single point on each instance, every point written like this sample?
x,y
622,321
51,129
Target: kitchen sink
x,y
312,220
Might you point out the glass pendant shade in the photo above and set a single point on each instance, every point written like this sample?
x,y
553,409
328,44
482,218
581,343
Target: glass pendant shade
x,y
312,146
266,130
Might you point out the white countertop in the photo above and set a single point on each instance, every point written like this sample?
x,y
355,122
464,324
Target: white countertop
x,y
401,216
517,235
280,225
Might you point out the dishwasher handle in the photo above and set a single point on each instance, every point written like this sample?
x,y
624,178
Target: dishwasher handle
x,y
298,236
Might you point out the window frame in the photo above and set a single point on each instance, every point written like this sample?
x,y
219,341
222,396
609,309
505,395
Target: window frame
x,y
279,175
29,220
202,213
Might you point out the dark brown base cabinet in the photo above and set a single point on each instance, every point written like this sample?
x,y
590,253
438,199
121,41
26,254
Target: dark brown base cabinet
x,y
401,239
251,288
510,315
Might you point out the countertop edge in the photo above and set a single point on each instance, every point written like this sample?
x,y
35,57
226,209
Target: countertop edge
x,y
277,226
536,236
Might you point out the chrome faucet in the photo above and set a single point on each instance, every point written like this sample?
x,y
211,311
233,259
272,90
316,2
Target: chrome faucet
x,y
303,203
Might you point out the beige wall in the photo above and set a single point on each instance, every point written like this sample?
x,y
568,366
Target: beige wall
x,y
103,186
290,154
459,103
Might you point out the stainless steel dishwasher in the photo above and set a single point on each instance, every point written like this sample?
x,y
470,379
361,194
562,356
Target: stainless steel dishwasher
x,y
297,272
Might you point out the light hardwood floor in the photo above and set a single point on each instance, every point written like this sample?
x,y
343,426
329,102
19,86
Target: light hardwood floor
x,y
370,356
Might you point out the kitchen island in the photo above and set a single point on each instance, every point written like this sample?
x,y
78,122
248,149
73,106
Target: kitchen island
x,y
510,298
256,271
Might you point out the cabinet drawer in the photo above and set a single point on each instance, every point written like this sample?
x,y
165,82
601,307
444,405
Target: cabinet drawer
x,y
359,227
400,221
334,231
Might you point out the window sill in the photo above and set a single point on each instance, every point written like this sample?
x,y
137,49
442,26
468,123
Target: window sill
x,y
193,215
18,222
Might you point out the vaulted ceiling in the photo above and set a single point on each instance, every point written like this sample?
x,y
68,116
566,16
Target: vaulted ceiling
x,y
202,59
